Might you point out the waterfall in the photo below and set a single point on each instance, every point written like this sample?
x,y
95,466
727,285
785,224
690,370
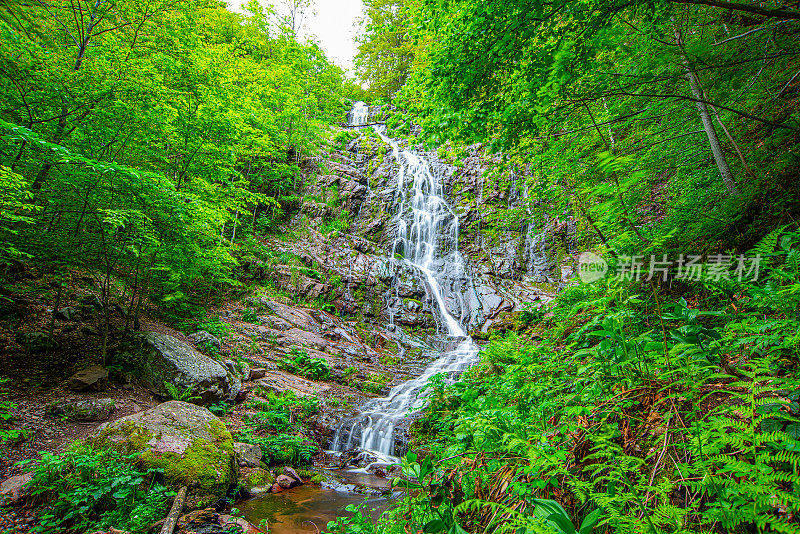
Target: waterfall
x,y
425,244
359,115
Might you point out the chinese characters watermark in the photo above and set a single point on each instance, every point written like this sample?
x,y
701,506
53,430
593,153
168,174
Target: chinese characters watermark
x,y
686,268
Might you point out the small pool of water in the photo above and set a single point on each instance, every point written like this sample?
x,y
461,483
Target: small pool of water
x,y
308,508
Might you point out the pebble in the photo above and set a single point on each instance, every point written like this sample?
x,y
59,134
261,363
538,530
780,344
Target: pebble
x,y
16,521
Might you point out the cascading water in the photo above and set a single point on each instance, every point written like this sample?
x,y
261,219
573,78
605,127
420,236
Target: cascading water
x,y
426,244
359,114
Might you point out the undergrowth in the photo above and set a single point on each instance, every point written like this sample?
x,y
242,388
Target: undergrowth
x,y
632,408
86,490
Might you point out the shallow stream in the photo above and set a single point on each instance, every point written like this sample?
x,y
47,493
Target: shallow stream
x,y
308,508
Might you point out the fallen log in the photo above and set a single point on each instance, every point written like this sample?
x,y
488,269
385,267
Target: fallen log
x,y
174,512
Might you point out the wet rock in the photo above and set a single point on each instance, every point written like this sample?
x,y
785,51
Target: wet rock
x,y
13,489
248,454
239,525
205,521
356,458
83,409
254,481
291,473
187,441
204,337
304,338
275,323
94,377
286,482
279,382
312,289
157,358
296,316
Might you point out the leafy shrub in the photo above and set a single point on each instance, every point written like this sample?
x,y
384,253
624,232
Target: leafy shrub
x,y
215,327
301,363
88,490
339,224
360,522
221,408
375,382
655,415
250,315
281,448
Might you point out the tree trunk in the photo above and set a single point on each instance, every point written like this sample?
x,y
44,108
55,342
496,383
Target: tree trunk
x,y
708,124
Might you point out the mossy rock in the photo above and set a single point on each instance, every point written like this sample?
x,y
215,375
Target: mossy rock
x,y
252,479
189,443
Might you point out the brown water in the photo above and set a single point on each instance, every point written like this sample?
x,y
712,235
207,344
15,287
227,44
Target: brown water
x,y
305,509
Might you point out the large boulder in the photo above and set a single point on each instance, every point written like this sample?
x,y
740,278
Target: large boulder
x,y
254,481
186,441
157,358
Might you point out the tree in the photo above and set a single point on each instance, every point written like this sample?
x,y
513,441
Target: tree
x,y
385,51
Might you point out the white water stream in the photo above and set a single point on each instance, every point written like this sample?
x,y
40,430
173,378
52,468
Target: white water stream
x,y
426,244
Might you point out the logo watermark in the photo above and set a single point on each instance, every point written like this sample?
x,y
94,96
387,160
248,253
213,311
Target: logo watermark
x,y
591,267
686,267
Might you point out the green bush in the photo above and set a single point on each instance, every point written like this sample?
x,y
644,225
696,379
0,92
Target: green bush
x,y
636,412
301,363
86,490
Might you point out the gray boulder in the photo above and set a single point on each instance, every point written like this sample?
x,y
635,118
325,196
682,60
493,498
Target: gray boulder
x,y
156,358
14,489
187,441
204,337
67,314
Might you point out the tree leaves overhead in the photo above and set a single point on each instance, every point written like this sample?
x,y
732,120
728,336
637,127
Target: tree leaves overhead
x,y
139,132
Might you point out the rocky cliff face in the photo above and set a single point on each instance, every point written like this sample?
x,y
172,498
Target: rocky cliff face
x,y
346,228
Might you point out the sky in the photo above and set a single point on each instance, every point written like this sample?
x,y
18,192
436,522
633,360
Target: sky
x,y
333,25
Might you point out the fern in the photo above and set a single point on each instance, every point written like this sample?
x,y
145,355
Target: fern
x,y
746,475
768,245
176,393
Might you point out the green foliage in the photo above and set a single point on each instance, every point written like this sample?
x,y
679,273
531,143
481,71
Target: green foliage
x,y
340,224
360,522
620,419
385,50
8,434
221,408
89,490
374,383
176,393
301,363
282,448
250,315
213,325
144,151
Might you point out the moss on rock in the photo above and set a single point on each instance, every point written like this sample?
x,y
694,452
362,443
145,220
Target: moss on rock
x,y
187,442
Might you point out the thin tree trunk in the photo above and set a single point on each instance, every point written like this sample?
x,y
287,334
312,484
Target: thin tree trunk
x,y
705,117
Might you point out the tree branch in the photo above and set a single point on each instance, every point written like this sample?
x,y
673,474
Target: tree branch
x,y
747,8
